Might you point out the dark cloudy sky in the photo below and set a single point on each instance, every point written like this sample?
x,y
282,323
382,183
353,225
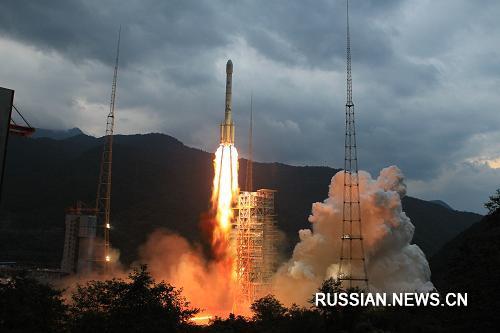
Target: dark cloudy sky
x,y
426,79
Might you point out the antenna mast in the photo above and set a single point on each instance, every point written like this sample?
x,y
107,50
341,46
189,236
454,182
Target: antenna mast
x,y
352,267
103,200
249,178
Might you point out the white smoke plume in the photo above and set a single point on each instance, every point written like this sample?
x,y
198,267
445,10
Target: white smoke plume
x,y
393,264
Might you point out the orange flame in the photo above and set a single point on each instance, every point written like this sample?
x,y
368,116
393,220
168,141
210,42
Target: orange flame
x,y
224,195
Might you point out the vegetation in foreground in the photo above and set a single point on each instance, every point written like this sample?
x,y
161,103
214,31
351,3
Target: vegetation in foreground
x,y
140,304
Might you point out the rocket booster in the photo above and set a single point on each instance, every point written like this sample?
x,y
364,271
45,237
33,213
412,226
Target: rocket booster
x,y
227,126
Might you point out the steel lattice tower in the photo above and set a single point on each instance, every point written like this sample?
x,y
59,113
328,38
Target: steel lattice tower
x,y
103,199
352,267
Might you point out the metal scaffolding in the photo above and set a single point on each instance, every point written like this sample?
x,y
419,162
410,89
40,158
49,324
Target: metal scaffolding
x,y
255,237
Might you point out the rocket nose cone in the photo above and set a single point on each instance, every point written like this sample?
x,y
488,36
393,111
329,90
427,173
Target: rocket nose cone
x,y
229,67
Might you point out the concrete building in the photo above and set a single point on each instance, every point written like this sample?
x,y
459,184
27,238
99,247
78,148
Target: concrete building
x,y
80,240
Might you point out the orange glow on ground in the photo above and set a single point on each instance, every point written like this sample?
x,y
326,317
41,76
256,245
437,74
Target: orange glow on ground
x,y
201,320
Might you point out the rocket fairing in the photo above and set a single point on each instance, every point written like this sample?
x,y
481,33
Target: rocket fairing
x,y
227,126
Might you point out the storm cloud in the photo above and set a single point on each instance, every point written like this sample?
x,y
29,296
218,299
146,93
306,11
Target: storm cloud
x,y
426,77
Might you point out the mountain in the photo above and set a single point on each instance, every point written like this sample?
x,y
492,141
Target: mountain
x,y
442,203
56,134
470,263
158,182
435,224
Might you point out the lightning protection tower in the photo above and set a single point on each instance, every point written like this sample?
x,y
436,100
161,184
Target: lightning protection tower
x,y
103,200
249,174
352,267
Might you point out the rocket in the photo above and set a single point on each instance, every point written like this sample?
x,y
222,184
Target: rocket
x,y
227,126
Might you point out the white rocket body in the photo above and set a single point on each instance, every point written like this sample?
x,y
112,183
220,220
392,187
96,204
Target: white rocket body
x,y
227,126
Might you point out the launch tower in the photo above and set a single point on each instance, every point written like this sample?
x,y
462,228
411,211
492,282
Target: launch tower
x,y
255,235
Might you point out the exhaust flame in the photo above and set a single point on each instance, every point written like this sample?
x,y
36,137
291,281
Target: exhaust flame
x,y
224,195
208,283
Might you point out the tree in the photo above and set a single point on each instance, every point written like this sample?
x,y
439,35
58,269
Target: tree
x,y
27,305
329,286
138,305
494,203
351,318
236,324
301,319
268,309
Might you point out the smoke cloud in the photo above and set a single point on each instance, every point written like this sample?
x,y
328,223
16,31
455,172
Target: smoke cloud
x,y
393,263
205,283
